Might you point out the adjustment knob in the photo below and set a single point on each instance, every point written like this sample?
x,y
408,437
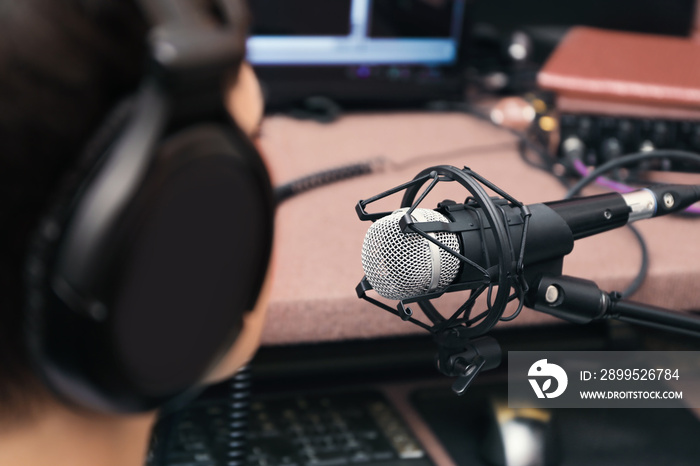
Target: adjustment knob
x,y
661,134
584,129
625,131
610,149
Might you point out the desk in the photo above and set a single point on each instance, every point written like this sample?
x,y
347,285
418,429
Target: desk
x,y
318,237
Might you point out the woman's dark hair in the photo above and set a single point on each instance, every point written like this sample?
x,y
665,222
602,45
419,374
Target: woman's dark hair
x,y
63,65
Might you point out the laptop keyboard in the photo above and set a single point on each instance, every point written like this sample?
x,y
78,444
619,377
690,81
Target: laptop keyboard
x,y
330,430
358,428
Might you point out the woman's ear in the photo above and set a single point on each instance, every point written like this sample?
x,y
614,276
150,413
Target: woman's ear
x,y
244,100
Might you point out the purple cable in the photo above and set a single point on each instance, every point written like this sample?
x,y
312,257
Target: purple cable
x,y
619,187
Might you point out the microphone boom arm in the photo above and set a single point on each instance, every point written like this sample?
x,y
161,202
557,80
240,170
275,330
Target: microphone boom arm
x,y
582,301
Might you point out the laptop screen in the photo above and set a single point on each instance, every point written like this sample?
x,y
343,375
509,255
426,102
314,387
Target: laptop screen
x,y
355,32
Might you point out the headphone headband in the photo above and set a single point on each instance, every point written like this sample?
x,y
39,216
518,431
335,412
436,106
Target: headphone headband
x,y
193,44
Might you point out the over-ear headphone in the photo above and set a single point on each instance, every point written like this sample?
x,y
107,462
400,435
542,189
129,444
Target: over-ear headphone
x,y
139,276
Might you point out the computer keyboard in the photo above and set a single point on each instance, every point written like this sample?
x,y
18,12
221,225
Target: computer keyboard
x,y
358,428
330,430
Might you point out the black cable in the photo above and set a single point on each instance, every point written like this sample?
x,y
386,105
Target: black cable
x,y
322,178
631,159
633,287
461,151
345,172
239,403
519,295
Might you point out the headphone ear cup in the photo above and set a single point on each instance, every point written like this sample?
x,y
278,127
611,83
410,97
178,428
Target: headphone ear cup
x,y
184,262
202,235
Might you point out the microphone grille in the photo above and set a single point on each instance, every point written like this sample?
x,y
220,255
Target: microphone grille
x,y
401,265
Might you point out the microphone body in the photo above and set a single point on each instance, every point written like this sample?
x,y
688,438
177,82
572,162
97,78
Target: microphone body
x,y
548,237
553,228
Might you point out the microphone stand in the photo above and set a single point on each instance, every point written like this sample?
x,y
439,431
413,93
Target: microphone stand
x,y
582,301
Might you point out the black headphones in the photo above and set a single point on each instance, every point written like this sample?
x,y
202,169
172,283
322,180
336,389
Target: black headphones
x,y
140,275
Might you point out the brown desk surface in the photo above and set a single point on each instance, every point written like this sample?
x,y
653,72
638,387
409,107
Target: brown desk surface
x,y
318,237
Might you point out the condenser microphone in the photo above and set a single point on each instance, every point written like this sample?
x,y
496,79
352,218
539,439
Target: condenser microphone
x,y
400,263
